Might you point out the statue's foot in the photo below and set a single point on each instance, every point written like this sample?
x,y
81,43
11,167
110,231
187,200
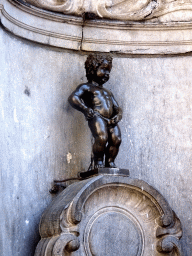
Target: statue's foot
x,y
111,165
99,164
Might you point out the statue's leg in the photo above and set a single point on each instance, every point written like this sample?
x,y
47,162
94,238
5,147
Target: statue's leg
x,y
112,148
99,131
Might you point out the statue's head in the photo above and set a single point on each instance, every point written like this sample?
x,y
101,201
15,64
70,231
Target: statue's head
x,y
98,67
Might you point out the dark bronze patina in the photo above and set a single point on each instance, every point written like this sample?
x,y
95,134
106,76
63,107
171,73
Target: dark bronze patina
x,y
101,110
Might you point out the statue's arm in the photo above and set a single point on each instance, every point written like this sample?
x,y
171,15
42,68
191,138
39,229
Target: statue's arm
x,y
76,101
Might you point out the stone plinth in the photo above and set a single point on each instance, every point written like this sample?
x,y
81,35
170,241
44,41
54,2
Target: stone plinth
x,y
109,215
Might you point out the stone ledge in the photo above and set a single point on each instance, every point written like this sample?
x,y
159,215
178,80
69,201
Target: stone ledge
x,y
71,32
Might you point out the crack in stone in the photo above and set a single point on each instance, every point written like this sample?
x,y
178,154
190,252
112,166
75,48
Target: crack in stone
x,y
81,43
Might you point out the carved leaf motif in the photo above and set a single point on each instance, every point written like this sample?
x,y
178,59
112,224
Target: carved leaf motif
x,y
133,10
141,10
126,10
66,6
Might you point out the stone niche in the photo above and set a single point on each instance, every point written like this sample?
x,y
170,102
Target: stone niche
x,y
109,215
43,47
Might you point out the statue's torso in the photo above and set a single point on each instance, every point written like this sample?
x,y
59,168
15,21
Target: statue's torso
x,y
100,100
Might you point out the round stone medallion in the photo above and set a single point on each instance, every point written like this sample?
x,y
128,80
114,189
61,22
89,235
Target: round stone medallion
x,y
111,232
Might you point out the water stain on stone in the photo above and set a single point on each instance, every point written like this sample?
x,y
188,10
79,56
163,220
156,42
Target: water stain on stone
x,y
27,91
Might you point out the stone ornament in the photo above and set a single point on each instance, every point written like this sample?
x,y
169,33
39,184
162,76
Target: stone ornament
x,y
132,10
109,215
167,34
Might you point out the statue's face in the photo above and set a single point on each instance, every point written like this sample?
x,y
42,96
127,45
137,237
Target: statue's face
x,y
102,74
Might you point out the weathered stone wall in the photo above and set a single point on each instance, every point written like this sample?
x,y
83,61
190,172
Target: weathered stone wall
x,y
39,134
43,138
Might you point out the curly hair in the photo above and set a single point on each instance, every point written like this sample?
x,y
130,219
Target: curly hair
x,y
93,62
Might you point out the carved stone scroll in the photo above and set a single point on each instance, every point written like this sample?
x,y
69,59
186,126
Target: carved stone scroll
x,y
117,9
109,215
157,36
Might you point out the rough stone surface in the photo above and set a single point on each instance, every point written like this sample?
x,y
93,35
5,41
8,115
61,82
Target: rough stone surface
x,y
43,138
36,124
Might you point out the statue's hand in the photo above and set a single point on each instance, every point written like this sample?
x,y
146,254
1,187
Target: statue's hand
x,y
116,119
89,113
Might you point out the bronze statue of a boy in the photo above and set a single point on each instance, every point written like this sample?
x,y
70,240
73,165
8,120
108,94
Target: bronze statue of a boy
x,y
100,109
